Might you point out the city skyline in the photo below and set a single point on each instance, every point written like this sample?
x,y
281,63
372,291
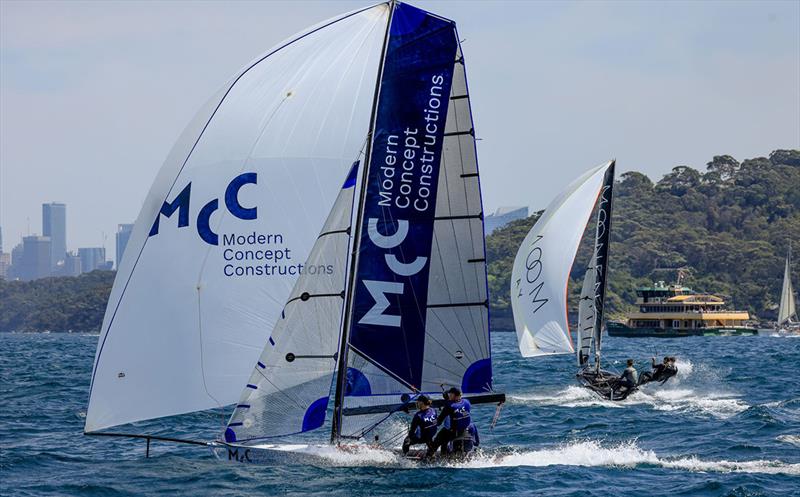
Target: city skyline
x,y
37,256
654,87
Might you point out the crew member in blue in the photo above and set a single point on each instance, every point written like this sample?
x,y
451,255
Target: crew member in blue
x,y
457,410
423,425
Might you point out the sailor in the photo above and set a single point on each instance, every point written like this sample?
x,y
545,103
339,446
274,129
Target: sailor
x,y
629,377
670,370
657,374
457,411
423,425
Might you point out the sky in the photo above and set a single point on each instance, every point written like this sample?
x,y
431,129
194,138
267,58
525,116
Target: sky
x,y
93,94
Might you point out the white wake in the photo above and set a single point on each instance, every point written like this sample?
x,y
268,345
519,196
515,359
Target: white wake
x,y
588,453
674,396
625,455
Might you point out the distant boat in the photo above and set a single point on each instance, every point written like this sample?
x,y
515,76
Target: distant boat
x,y
787,312
254,268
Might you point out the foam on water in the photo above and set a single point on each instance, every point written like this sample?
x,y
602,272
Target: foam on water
x,y
672,396
789,439
357,454
626,455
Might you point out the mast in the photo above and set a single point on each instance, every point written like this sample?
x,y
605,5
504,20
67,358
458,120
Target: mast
x,y
341,370
602,238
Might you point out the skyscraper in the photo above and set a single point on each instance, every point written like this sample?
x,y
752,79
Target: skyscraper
x,y
123,235
36,260
16,262
1,239
5,265
54,225
91,258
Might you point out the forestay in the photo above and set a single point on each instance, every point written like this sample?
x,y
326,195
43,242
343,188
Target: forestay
x,y
228,225
540,274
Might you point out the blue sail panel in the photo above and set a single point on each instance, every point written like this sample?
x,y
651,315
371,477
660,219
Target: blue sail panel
x,y
391,284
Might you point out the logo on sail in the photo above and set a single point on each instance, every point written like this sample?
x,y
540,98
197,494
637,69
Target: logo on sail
x,y
181,204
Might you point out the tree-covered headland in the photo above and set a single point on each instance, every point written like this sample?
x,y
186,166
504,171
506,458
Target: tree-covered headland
x,y
727,227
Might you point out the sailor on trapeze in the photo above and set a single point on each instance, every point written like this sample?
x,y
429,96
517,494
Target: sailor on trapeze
x,y
661,372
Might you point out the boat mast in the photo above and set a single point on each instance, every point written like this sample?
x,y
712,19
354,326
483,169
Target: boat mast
x,y
601,247
341,370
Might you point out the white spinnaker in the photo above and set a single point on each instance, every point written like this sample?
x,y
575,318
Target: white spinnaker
x,y
541,269
288,389
787,310
179,335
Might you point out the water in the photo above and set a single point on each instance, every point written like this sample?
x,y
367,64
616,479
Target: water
x,y
729,425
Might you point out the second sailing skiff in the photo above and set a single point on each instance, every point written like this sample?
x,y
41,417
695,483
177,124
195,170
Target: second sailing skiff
x,y
540,277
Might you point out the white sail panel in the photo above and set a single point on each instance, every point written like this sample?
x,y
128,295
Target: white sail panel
x,y
457,350
288,390
242,197
787,310
541,268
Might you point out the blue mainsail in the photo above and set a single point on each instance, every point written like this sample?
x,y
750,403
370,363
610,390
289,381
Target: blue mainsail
x,y
413,311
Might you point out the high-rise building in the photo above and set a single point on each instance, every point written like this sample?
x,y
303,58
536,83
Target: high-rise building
x,y
5,265
72,264
36,260
16,261
92,258
503,216
123,235
5,259
54,225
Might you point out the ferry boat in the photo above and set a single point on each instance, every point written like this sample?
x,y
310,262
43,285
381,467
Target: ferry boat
x,y
677,311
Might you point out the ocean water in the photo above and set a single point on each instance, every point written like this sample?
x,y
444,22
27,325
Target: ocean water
x,y
728,425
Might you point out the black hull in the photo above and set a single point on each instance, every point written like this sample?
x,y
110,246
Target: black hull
x,y
604,383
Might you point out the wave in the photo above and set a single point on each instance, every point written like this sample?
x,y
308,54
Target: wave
x,y
589,453
675,396
625,455
718,405
789,439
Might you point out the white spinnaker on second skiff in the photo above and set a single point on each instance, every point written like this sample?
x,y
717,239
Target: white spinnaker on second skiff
x,y
541,268
183,328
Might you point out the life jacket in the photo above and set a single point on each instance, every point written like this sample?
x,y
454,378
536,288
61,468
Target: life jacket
x,y
426,420
460,418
